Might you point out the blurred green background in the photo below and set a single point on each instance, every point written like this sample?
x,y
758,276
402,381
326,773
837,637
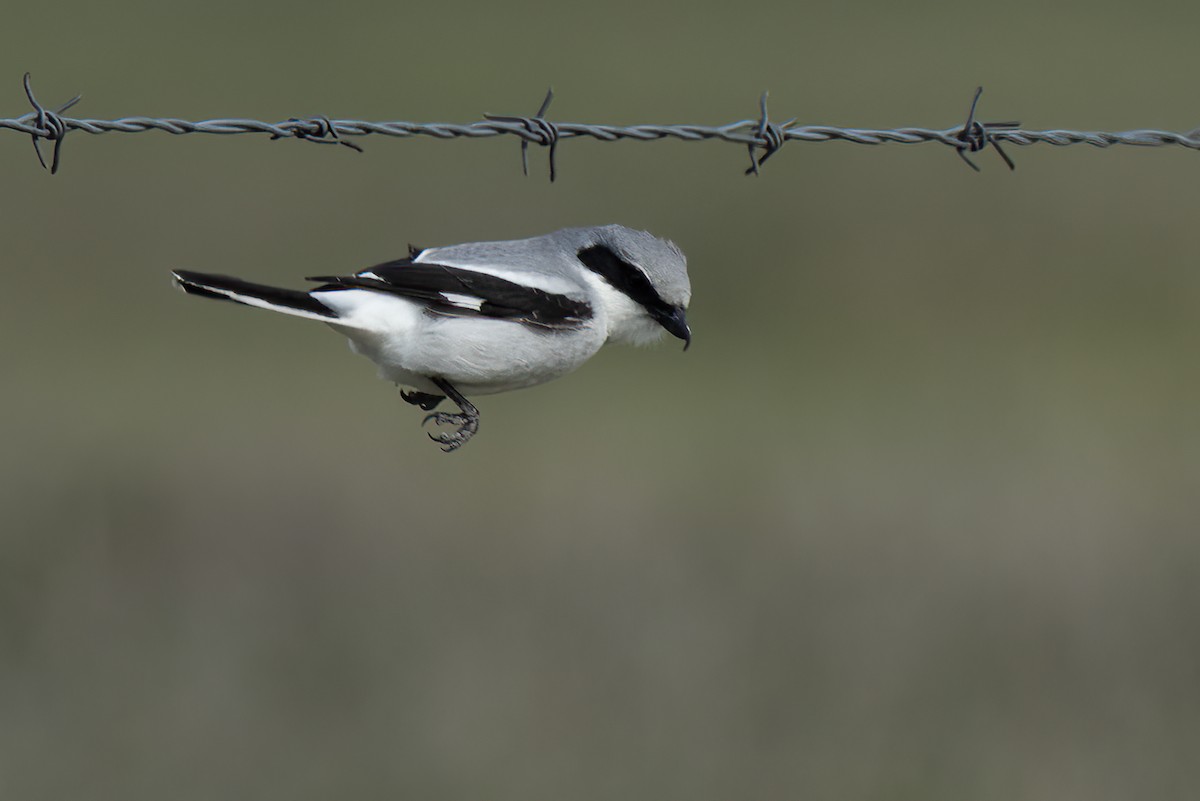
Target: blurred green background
x,y
915,518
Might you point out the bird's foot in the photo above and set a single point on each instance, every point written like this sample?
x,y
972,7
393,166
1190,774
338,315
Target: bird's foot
x,y
426,400
468,424
467,419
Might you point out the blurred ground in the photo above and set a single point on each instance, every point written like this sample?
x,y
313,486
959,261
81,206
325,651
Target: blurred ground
x,y
914,518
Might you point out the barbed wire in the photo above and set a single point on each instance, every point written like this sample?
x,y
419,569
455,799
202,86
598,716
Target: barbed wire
x,y
762,137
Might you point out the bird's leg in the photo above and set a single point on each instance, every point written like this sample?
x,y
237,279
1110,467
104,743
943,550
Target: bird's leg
x,y
426,400
467,421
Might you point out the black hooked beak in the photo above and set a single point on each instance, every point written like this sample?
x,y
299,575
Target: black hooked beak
x,y
675,321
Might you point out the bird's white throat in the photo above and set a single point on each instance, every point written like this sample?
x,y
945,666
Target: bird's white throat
x,y
627,321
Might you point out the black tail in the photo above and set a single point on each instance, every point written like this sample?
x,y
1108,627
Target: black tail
x,y
224,287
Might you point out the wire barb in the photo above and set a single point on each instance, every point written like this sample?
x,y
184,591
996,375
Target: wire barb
x,y
320,130
762,137
48,125
538,130
975,136
771,136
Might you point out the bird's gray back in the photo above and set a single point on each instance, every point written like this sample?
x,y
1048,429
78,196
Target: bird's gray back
x,y
554,257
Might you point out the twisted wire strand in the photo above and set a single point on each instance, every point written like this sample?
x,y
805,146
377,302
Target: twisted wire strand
x,y
761,134
742,132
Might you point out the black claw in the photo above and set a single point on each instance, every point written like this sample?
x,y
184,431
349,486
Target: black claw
x,y
445,419
426,400
448,444
452,440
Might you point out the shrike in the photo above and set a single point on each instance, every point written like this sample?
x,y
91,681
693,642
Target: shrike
x,y
486,317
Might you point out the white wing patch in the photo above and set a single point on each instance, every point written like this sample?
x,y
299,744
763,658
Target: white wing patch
x,y
555,284
462,301
369,274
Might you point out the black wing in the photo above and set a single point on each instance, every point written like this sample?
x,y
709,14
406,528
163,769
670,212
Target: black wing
x,y
465,293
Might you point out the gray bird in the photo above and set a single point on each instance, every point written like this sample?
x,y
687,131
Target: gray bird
x,y
487,317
